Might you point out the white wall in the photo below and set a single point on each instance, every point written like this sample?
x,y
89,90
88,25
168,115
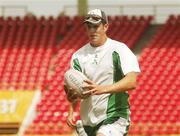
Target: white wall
x,y
161,9
37,7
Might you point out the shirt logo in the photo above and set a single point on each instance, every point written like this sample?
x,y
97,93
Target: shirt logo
x,y
95,59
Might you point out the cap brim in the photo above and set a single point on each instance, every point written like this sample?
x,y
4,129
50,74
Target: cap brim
x,y
92,21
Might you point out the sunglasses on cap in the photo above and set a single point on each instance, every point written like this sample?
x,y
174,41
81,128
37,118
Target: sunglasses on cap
x,y
94,17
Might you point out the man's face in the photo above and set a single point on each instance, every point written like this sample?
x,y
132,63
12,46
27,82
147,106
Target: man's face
x,y
96,33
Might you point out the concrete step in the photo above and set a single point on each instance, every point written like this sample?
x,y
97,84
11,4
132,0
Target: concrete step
x,y
146,38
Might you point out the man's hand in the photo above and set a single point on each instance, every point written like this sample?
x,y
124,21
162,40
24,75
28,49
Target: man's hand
x,y
71,94
71,120
94,89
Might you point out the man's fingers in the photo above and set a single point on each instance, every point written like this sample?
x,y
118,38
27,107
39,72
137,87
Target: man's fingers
x,y
88,81
71,123
87,87
86,92
92,91
65,88
72,96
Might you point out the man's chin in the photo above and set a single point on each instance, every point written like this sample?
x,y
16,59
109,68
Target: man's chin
x,y
94,44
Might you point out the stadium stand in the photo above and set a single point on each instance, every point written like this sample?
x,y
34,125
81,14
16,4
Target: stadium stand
x,y
26,49
35,53
155,103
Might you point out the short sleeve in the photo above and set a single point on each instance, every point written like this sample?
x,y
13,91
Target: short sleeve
x,y
75,64
129,61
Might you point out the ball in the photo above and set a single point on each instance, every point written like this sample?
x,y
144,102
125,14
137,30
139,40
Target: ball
x,y
75,80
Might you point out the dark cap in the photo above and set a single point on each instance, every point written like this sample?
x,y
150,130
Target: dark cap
x,y
96,17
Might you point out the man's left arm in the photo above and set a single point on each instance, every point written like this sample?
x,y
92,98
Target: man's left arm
x,y
129,82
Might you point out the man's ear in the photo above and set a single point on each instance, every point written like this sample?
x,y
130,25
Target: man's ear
x,y
106,26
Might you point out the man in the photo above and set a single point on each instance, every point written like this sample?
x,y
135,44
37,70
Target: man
x,y
112,70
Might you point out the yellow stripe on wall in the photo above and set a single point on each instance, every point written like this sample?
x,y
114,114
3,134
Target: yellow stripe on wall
x,y
14,105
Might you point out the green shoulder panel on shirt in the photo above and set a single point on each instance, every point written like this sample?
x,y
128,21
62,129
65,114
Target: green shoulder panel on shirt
x,y
118,105
77,65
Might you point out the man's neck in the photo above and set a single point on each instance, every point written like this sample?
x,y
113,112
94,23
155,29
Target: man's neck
x,y
100,43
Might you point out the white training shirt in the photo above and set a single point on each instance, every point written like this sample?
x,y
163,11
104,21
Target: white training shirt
x,y
97,64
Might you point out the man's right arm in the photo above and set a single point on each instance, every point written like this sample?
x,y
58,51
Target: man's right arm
x,y
73,99
72,95
71,118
